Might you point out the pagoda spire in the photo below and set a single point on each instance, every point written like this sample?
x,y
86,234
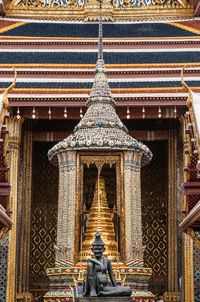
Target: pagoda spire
x,y
100,88
100,49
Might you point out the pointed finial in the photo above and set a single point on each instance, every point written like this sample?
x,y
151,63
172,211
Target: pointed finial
x,y
100,51
189,101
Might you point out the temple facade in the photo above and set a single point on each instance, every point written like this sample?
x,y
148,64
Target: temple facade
x,y
100,134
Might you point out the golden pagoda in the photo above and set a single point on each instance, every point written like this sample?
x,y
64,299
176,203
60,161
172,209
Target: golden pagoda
x,y
100,220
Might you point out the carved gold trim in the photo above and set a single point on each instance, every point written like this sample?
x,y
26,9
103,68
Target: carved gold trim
x,y
24,255
91,66
189,273
17,24
89,10
14,127
86,90
172,213
193,236
190,98
99,161
122,208
185,27
4,103
77,202
3,232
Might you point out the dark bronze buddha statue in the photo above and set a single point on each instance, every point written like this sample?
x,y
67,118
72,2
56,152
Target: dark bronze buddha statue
x,y
97,269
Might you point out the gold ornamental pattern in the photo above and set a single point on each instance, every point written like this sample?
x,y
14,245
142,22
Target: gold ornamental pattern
x,y
85,10
154,215
44,214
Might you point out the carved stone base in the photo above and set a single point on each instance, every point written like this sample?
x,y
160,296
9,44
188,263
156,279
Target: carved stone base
x,y
67,284
104,299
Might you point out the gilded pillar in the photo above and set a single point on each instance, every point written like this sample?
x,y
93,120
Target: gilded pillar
x,y
173,293
133,221
14,127
66,207
25,218
189,270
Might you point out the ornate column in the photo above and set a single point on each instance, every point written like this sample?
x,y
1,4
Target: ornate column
x,y
188,268
172,287
66,207
24,218
133,222
14,127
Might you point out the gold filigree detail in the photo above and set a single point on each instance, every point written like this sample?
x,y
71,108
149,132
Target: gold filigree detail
x,y
14,127
190,98
194,237
99,161
4,103
189,268
26,193
172,212
3,232
89,10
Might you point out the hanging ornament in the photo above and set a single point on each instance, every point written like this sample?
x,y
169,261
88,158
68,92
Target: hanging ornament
x,y
175,112
81,112
159,113
49,113
33,113
65,112
128,113
18,113
143,113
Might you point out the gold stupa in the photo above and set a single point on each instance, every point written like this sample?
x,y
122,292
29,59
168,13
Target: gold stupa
x,y
100,220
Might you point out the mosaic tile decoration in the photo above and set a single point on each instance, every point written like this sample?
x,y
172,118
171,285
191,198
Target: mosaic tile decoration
x,y
197,271
3,268
44,216
154,215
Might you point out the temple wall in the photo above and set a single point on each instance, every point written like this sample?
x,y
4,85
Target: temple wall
x,y
43,218
3,268
154,214
196,271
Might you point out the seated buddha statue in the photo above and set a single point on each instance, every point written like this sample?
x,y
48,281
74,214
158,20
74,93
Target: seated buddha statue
x,y
97,282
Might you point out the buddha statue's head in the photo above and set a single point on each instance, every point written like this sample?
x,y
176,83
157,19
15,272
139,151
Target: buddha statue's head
x,y
98,246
